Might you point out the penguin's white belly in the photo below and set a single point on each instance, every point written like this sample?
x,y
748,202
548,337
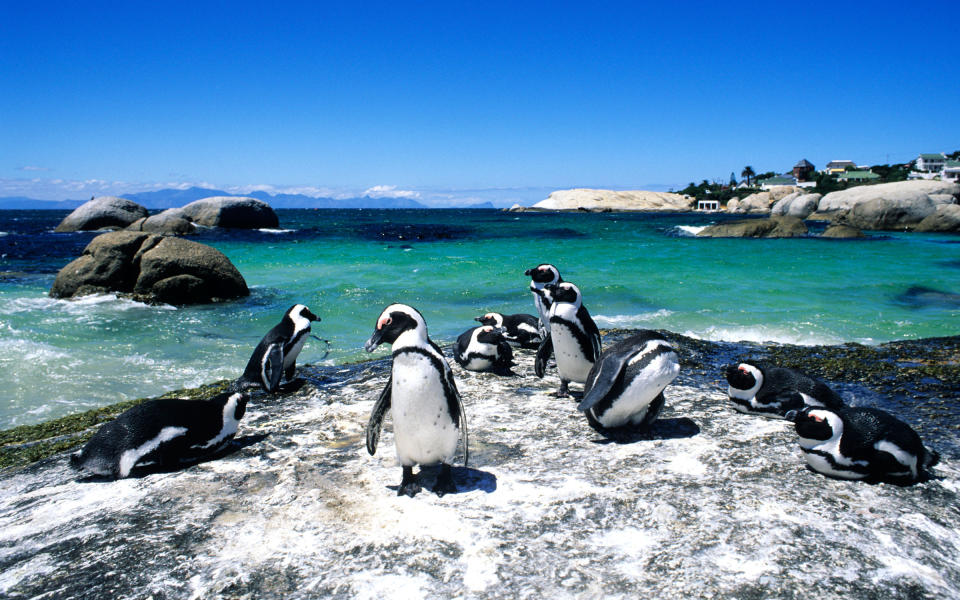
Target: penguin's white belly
x,y
291,356
631,406
423,430
572,365
479,363
820,463
485,355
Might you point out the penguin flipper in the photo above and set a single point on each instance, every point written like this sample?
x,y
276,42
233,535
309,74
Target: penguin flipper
x,y
272,369
543,355
380,408
608,372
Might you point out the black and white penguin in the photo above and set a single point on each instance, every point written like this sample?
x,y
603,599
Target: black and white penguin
x,y
861,443
276,354
625,387
428,416
484,349
575,337
166,431
773,391
521,329
542,276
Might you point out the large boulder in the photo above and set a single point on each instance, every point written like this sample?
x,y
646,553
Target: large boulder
x,y
945,218
597,200
841,231
900,192
774,227
231,211
169,222
758,202
890,214
798,204
151,268
101,213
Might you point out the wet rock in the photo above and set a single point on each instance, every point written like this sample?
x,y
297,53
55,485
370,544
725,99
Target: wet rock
x,y
774,227
151,268
708,503
841,231
946,218
232,212
889,214
102,213
169,222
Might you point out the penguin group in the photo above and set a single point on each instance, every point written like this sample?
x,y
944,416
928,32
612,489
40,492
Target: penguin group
x,y
622,388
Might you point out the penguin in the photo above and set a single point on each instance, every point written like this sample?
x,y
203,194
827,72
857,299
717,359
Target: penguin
x,y
484,349
520,329
575,337
276,354
861,443
428,415
540,277
773,391
625,387
168,431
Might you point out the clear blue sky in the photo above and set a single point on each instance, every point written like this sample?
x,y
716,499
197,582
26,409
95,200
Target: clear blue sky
x,y
461,98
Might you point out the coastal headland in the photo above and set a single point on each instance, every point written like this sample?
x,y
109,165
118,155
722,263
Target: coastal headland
x,y
708,503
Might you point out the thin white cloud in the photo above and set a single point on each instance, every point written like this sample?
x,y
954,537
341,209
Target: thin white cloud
x,y
389,191
34,168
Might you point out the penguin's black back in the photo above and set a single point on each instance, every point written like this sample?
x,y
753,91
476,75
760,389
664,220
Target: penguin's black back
x,y
863,427
780,379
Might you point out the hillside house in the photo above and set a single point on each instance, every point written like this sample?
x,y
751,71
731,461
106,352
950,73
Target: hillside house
x,y
931,163
803,170
835,167
951,171
859,176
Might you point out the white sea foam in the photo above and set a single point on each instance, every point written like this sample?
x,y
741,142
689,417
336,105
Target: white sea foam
x,y
631,320
268,230
690,230
3,233
761,334
81,305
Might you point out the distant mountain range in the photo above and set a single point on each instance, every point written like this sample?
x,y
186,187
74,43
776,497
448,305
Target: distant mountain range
x,y
172,198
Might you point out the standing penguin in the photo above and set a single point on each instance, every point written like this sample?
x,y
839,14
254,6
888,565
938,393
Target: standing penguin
x,y
861,443
428,416
625,387
168,431
519,329
540,277
484,349
575,337
773,391
276,354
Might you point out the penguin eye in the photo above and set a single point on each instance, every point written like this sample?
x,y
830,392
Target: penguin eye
x,y
816,418
384,322
743,370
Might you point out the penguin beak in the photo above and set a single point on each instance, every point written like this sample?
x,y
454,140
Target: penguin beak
x,y
528,272
479,319
791,416
375,340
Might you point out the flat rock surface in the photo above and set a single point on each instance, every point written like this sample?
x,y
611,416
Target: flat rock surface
x,y
589,199
708,504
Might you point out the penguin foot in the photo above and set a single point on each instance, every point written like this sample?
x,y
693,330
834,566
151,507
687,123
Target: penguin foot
x,y
562,392
444,483
409,486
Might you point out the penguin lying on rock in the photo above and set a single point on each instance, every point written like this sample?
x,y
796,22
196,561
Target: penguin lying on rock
x,y
520,329
484,349
428,416
861,443
773,391
166,431
625,387
276,354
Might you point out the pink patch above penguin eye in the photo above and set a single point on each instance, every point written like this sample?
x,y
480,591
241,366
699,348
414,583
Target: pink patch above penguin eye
x,y
743,370
816,418
383,322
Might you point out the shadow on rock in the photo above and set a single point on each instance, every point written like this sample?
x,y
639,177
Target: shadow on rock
x,y
139,472
465,478
661,429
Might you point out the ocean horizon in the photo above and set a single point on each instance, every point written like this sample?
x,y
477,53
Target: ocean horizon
x,y
636,270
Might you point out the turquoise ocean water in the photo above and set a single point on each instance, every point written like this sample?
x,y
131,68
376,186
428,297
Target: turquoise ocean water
x,y
635,270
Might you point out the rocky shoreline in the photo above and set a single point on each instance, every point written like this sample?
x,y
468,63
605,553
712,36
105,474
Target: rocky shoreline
x,y
709,503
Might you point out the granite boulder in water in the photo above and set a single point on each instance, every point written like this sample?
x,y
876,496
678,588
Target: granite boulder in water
x,y
230,211
151,268
101,213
